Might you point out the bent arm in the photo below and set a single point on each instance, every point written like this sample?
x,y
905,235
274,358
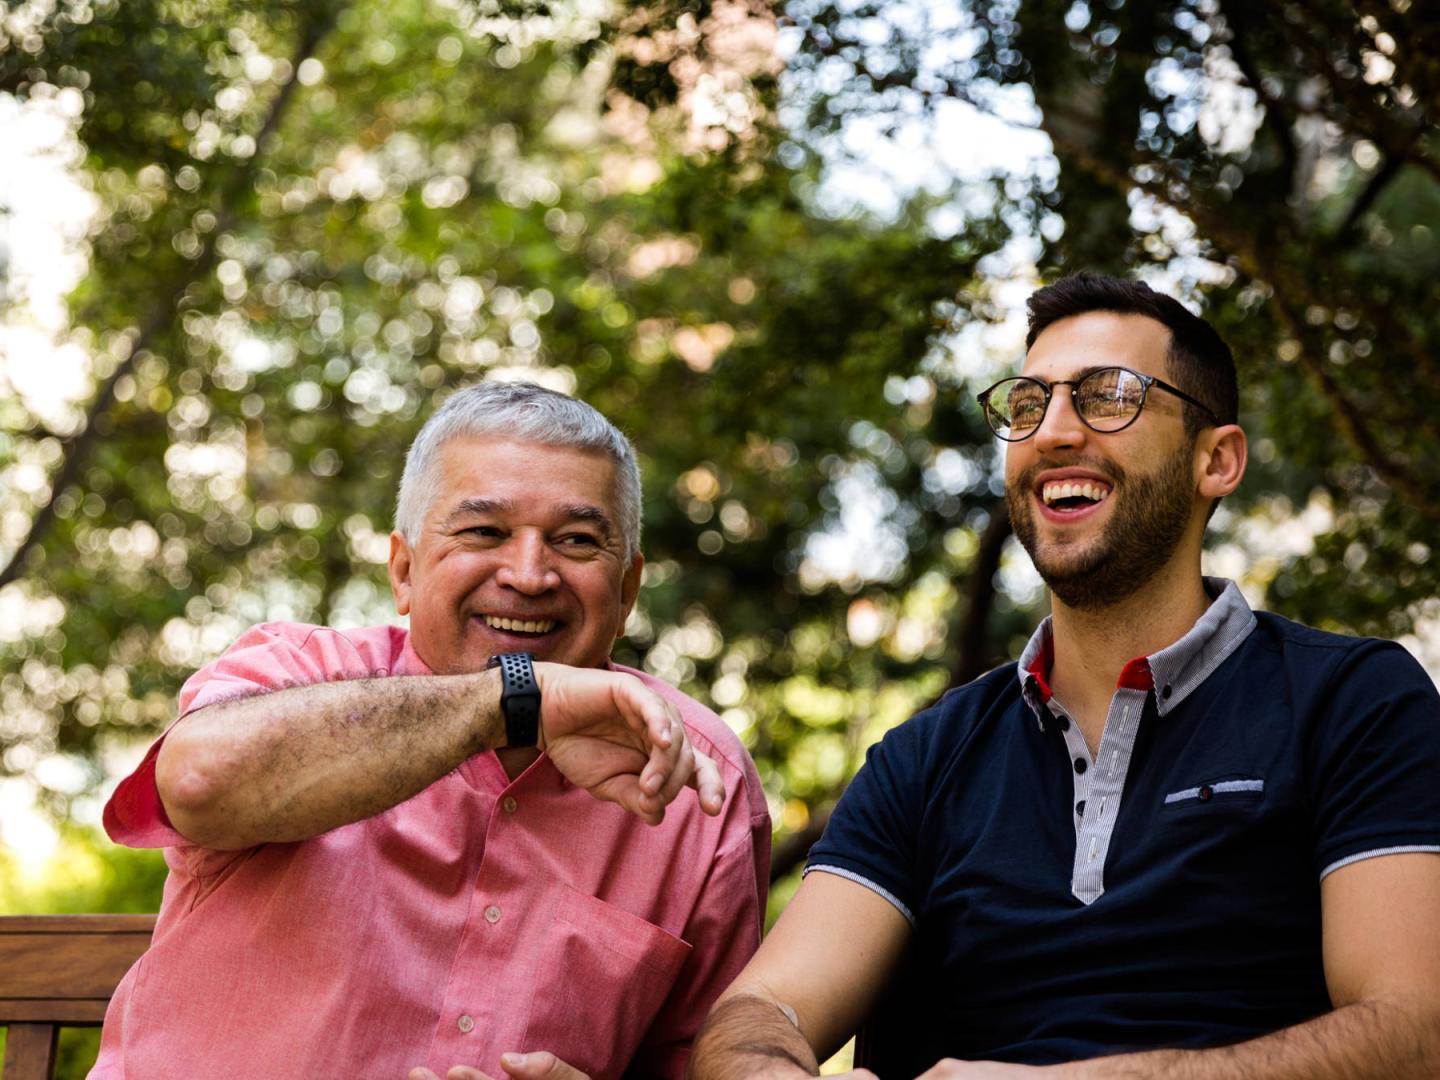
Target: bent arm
x,y
808,988
1382,965
293,763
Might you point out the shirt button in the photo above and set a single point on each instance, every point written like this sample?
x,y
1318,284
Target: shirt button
x,y
1080,808
509,804
466,1023
1064,723
1206,792
1167,692
492,914
1080,765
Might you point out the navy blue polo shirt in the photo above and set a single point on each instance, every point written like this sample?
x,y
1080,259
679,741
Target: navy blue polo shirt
x,y
1165,892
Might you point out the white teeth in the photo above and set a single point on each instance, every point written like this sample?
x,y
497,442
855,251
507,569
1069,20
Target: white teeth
x,y
1055,491
524,626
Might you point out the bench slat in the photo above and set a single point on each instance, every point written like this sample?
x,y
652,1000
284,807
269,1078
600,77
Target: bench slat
x,y
41,957
30,1051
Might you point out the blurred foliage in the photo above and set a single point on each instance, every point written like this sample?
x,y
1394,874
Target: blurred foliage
x,y
319,218
1283,157
311,232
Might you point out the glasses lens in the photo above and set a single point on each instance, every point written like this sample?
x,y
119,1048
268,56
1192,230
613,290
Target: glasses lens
x,y
1108,399
1016,407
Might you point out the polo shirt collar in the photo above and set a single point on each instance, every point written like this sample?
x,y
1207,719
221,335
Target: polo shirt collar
x,y
1176,670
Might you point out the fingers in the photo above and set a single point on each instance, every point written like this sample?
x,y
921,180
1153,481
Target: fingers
x,y
707,784
540,1065
676,764
669,767
612,735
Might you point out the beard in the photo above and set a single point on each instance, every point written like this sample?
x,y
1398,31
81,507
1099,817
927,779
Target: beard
x,y
1147,522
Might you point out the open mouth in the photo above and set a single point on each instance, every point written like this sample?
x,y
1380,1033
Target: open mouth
x,y
1068,496
519,626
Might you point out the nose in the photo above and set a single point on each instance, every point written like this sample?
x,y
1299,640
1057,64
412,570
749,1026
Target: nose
x,y
1061,428
526,567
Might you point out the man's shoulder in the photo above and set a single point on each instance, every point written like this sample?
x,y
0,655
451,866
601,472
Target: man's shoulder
x,y
280,654
1315,645
967,703
952,719
1325,659
380,648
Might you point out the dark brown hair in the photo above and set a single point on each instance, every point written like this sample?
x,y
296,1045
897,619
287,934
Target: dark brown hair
x,y
1200,363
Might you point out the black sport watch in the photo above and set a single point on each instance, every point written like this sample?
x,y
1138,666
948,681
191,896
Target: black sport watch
x,y
519,698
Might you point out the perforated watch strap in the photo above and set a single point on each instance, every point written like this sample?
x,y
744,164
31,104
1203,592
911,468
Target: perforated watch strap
x,y
519,698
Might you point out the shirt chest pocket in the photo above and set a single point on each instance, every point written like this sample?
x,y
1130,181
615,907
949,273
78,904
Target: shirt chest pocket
x,y
1230,793
602,976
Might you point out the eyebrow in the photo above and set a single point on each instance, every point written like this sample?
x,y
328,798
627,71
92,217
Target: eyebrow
x,y
571,511
1076,376
478,506
593,514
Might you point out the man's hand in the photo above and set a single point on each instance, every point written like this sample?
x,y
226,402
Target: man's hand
x,y
541,1065
610,734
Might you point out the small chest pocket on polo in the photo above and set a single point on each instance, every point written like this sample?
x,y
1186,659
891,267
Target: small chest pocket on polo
x,y
1221,796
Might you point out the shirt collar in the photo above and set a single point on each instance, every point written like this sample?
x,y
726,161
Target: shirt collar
x,y
1177,669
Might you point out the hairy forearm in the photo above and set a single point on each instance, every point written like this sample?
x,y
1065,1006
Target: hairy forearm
x,y
1369,1040
294,763
749,1038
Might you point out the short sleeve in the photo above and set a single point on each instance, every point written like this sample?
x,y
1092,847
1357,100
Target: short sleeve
x,y
871,836
1374,758
269,657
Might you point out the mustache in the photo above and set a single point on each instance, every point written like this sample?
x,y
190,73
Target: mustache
x,y
1108,469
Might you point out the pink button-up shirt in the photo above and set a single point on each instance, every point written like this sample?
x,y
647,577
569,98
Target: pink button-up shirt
x,y
481,916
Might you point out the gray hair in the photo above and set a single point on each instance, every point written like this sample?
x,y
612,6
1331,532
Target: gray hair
x,y
519,411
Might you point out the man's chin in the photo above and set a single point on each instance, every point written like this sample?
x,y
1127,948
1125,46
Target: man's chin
x,y
1083,579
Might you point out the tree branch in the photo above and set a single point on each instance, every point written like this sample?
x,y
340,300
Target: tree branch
x,y
77,448
791,851
973,658
1259,263
1236,17
1377,183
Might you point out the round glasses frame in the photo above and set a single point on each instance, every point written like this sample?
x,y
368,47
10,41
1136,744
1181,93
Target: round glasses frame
x,y
998,423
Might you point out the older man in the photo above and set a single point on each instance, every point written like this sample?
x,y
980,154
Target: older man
x,y
383,846
1177,839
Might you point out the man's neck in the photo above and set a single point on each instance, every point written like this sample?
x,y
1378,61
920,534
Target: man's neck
x,y
1093,645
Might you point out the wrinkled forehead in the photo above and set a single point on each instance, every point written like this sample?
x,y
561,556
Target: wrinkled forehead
x,y
1069,348
468,465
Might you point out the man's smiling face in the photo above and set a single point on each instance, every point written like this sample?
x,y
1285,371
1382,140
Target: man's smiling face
x,y
1101,514
521,550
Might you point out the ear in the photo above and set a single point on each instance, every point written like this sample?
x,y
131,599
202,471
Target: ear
x,y
629,590
399,571
1222,453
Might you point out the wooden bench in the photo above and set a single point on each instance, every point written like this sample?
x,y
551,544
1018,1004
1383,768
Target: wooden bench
x,y
59,971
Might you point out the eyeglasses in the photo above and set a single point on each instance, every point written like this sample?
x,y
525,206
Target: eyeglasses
x,y
1106,400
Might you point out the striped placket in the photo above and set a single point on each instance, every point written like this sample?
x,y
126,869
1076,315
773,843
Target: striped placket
x,y
1171,674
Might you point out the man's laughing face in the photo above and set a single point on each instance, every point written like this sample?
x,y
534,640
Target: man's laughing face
x,y
521,550
1101,514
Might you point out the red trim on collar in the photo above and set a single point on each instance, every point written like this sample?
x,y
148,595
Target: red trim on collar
x,y
1136,675
1041,665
